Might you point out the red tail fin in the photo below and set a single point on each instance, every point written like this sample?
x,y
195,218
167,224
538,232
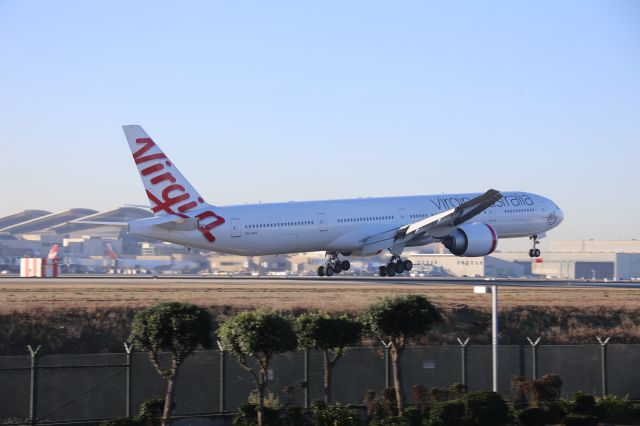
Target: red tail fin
x,y
112,253
53,254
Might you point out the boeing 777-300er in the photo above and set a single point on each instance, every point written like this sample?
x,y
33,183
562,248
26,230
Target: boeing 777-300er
x,y
466,224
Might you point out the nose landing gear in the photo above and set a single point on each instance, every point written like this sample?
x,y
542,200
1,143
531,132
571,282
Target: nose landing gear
x,y
395,266
534,252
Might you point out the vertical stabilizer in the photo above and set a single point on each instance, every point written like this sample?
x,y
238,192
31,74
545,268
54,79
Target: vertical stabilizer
x,y
168,191
53,253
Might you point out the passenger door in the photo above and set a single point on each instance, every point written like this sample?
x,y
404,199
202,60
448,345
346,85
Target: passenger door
x,y
322,222
236,228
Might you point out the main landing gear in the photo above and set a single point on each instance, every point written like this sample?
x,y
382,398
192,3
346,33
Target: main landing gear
x,y
333,266
534,252
395,266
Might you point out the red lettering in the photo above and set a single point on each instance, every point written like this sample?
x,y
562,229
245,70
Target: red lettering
x,y
152,169
160,178
149,158
167,200
174,200
148,143
158,204
185,207
206,229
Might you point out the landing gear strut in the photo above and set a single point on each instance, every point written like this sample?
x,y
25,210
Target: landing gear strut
x,y
535,251
333,266
395,266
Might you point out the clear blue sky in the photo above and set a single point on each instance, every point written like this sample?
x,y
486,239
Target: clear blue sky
x,y
274,101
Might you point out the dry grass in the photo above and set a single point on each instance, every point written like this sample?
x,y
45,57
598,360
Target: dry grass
x,y
336,296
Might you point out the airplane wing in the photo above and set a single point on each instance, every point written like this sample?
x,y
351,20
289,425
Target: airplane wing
x,y
437,225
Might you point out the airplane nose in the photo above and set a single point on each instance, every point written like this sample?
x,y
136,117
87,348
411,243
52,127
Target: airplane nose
x,y
559,215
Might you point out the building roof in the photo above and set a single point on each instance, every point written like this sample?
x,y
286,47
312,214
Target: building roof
x,y
21,217
43,222
121,214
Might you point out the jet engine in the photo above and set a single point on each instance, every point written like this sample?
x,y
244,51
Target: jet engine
x,y
471,239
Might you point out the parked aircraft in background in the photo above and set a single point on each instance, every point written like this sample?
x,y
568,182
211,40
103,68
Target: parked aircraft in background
x,y
467,224
53,253
148,264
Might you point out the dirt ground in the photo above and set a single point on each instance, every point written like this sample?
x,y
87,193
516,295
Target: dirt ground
x,y
284,294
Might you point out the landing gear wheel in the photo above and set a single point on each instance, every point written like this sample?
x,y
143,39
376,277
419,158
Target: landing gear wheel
x,y
391,271
346,265
408,265
337,268
328,270
382,271
321,271
399,267
531,252
536,253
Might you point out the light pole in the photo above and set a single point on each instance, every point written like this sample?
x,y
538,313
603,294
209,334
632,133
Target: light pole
x,y
493,289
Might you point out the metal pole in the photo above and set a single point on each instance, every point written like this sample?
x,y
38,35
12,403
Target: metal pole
x,y
387,373
127,401
603,366
223,373
463,358
494,334
306,379
33,388
534,357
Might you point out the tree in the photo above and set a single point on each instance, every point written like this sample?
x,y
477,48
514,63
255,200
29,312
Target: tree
x,y
258,335
396,320
318,330
177,328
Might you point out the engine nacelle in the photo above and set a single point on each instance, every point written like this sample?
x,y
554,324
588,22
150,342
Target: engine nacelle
x,y
472,239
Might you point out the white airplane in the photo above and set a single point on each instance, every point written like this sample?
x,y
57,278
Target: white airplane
x,y
467,224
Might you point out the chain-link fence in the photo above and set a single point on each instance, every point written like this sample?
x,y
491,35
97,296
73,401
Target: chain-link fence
x,y
58,388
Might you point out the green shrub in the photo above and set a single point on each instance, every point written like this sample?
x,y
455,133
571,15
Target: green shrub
x,y
486,409
247,415
151,411
554,413
450,413
123,421
149,414
615,409
390,421
584,404
414,416
580,420
295,416
532,416
333,414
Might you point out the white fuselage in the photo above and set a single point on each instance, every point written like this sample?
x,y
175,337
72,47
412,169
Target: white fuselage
x,y
341,225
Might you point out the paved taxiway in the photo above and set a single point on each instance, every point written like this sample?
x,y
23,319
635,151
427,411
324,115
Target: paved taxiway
x,y
332,281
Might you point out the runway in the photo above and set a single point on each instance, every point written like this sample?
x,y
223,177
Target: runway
x,y
332,281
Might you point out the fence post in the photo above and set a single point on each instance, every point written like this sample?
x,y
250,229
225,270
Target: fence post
x,y
306,378
603,360
128,347
534,357
33,388
387,373
223,373
463,358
